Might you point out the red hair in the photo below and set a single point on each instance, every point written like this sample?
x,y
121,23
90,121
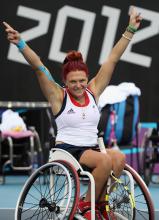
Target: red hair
x,y
72,62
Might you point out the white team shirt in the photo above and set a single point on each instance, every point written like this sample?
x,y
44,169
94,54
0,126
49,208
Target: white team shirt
x,y
77,125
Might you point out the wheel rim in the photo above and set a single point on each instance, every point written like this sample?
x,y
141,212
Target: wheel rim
x,y
75,189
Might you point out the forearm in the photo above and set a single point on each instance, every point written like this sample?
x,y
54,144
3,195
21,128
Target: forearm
x,y
122,44
120,47
105,73
30,56
47,83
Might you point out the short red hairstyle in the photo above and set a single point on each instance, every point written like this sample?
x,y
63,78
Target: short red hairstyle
x,y
72,62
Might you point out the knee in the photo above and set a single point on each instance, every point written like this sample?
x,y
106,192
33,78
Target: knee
x,y
120,159
105,163
117,156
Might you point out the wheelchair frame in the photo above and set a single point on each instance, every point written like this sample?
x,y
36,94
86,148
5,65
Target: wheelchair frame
x,y
30,138
65,160
150,154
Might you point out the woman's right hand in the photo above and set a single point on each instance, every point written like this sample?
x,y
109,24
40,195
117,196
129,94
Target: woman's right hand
x,y
12,35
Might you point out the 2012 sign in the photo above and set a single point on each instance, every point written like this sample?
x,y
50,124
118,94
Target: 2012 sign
x,y
88,18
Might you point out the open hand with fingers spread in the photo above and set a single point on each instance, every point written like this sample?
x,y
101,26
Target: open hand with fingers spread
x,y
12,35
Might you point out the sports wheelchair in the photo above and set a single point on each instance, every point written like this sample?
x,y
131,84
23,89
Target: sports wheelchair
x,y
150,154
53,191
19,151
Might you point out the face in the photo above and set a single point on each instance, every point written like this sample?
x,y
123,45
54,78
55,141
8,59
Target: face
x,y
76,81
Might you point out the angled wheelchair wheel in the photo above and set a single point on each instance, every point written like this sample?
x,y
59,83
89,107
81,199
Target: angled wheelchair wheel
x,y
144,208
121,203
129,198
51,192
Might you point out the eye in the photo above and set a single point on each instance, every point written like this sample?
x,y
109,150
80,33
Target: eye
x,y
82,80
73,82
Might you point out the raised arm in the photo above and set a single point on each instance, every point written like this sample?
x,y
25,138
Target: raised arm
x,y
52,91
102,78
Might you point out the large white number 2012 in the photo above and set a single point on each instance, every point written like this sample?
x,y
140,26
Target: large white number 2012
x,y
88,19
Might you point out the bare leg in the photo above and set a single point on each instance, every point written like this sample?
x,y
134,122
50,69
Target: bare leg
x,y
101,165
118,163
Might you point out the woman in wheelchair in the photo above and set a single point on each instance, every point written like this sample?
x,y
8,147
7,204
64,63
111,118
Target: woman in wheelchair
x,y
75,108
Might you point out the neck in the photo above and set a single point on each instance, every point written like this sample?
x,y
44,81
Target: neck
x,y
79,98
82,100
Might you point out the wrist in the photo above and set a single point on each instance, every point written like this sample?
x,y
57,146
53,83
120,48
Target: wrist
x,y
126,37
21,44
132,29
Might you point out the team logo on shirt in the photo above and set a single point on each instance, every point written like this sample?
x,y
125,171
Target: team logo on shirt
x,y
71,111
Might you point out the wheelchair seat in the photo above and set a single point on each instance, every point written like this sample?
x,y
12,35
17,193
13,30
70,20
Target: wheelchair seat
x,y
17,135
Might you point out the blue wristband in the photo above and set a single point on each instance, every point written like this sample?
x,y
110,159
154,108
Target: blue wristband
x,y
46,72
21,44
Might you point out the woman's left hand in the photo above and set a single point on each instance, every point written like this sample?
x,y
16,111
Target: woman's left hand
x,y
135,18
